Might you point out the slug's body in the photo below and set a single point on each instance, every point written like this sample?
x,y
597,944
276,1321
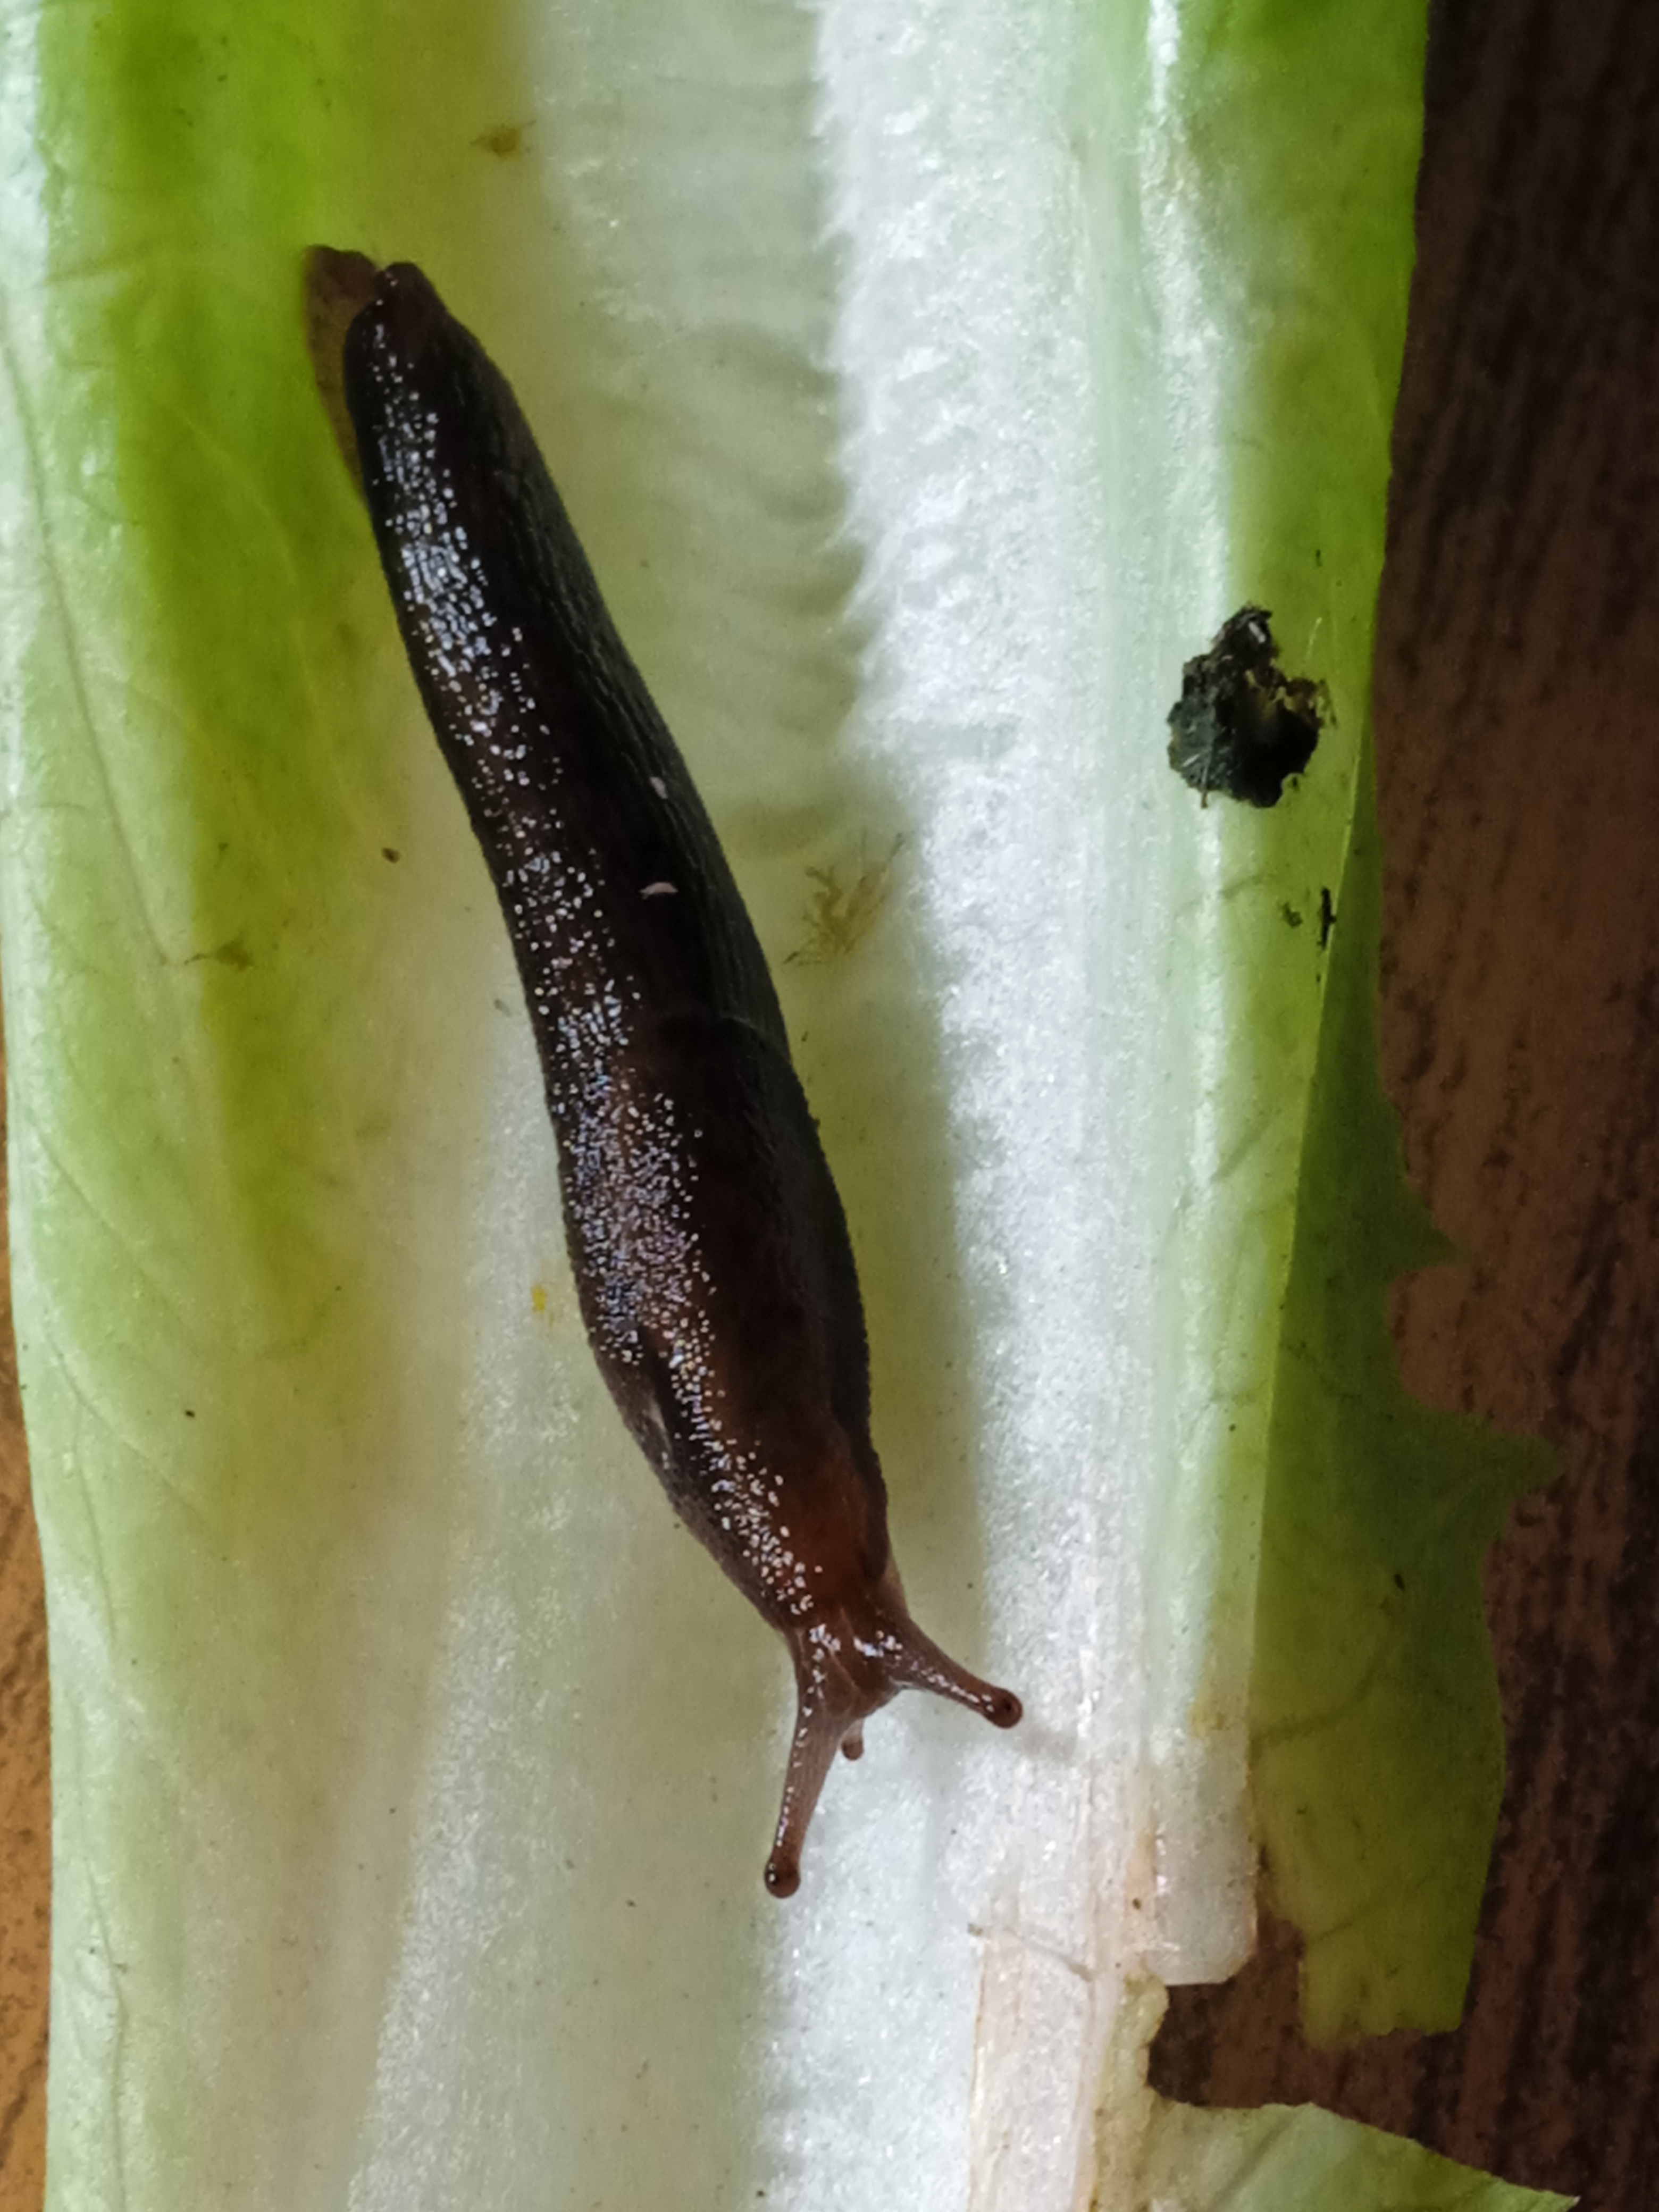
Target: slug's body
x,y
708,1245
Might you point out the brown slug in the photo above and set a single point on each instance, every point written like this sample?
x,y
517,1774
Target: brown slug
x,y
710,1249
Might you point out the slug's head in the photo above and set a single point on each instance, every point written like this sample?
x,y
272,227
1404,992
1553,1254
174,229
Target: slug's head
x,y
850,1660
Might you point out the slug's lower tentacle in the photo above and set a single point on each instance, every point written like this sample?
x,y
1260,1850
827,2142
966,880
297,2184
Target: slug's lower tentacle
x,y
811,1754
709,1249
849,1665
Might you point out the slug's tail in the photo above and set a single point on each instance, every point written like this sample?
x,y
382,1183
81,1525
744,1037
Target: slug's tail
x,y
845,1670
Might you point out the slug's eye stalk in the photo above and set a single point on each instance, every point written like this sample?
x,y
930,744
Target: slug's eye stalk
x,y
844,1671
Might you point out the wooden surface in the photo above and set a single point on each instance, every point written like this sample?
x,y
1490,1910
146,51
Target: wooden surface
x,y
1517,703
25,1806
1518,744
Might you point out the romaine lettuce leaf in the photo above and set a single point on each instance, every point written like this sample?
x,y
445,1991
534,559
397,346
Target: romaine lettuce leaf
x,y
1376,1748
927,389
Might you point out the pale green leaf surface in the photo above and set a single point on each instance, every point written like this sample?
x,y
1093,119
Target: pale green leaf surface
x,y
301,1435
1297,2159
1377,1741
1280,146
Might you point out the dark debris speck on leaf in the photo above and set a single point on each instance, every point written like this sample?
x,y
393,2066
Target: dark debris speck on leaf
x,y
1242,727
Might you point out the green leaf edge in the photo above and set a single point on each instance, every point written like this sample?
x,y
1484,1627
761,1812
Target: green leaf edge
x,y
1376,1731
1299,2158
1377,1737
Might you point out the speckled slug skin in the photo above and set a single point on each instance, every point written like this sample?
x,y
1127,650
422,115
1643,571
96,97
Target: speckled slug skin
x,y
708,1244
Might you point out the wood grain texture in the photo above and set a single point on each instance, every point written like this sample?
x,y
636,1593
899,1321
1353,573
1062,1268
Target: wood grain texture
x,y
1518,744
25,1800
1518,764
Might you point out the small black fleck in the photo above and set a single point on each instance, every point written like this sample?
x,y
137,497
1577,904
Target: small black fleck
x,y
233,953
505,141
392,853
1292,913
190,1413
1242,727
1399,1581
1327,916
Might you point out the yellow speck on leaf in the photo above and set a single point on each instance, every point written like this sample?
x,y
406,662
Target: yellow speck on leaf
x,y
1205,1717
504,142
840,915
233,953
538,1296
